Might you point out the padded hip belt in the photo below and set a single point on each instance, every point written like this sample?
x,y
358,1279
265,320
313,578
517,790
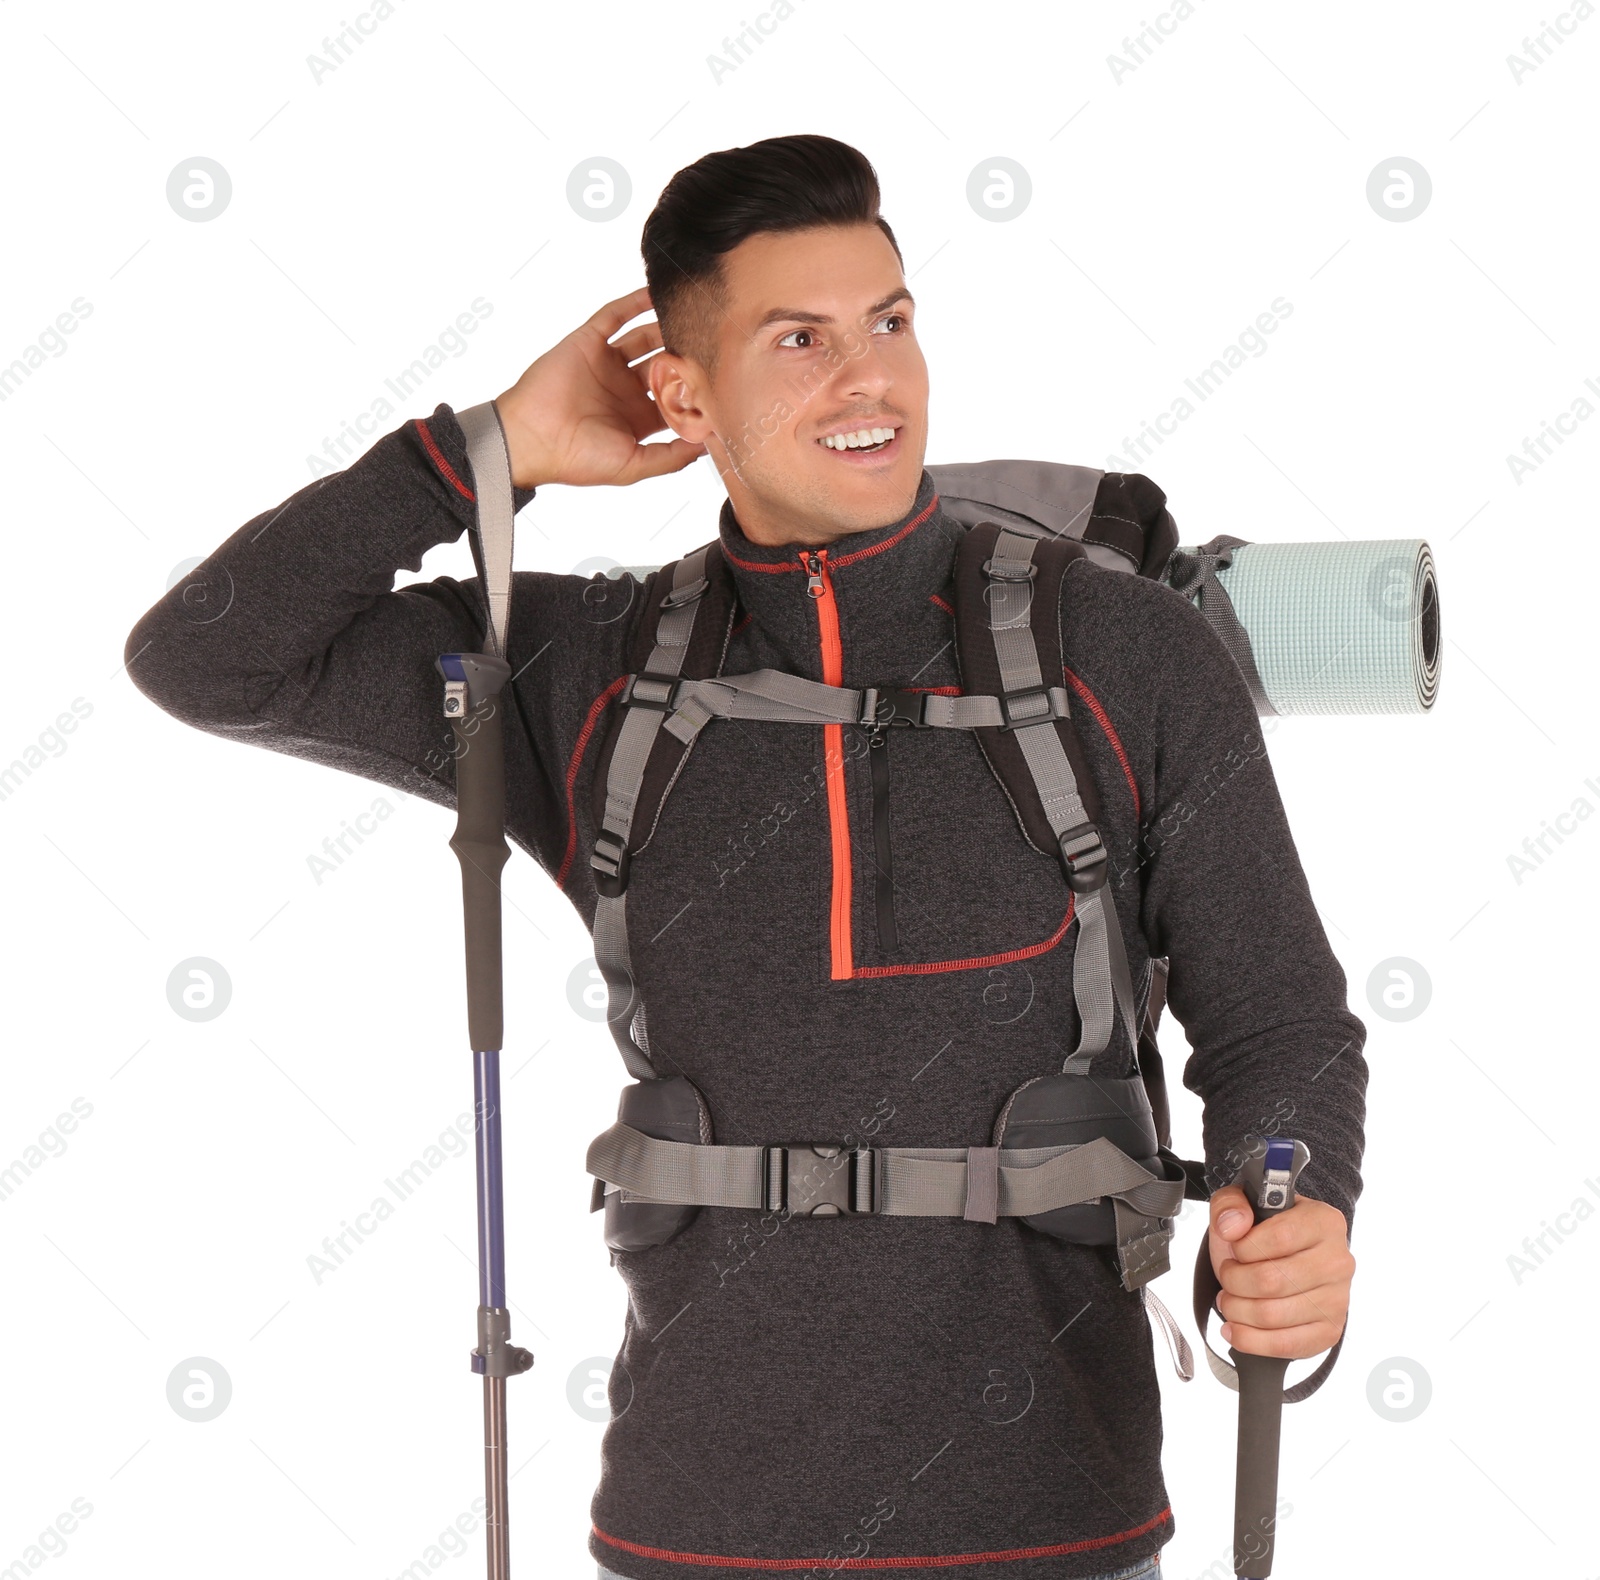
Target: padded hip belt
x,y
1074,1157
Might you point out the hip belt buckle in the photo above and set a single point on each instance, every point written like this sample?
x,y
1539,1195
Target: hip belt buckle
x,y
818,1179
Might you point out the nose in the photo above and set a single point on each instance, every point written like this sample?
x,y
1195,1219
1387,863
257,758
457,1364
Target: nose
x,y
865,375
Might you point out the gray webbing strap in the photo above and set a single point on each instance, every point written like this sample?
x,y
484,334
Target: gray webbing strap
x,y
1101,985
624,1007
491,482
1194,575
778,697
1182,1355
916,1181
676,1171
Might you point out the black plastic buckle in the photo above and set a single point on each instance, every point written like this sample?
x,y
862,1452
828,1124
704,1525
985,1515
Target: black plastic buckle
x,y
1009,699
658,694
891,705
818,1180
1083,855
1010,570
611,860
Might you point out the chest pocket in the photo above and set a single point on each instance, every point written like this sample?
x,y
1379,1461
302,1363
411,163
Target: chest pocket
x,y
947,881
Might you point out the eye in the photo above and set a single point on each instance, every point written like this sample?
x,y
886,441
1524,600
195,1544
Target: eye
x,y
790,336
901,317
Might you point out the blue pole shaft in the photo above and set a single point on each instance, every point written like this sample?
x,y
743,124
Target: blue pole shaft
x,y
491,1198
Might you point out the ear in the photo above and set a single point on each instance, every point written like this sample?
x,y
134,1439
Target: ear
x,y
678,384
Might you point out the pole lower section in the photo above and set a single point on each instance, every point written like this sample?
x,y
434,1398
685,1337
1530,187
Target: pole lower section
x,y
496,1529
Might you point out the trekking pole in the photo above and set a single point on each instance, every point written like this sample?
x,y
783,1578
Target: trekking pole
x,y
1267,1178
472,703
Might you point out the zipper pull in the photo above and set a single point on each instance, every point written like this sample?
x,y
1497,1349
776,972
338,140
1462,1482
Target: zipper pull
x,y
813,564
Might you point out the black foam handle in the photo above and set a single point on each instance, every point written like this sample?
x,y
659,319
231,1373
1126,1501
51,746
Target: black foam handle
x,y
479,842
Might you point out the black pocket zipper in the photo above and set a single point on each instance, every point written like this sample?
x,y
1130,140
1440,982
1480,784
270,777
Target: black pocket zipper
x,y
878,756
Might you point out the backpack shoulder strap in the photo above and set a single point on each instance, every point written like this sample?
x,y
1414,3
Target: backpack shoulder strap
x,y
1034,649
1008,643
682,630
665,646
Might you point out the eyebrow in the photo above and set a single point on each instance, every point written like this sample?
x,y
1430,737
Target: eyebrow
x,y
798,315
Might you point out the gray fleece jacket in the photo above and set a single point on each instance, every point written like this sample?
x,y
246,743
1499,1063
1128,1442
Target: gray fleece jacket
x,y
923,1393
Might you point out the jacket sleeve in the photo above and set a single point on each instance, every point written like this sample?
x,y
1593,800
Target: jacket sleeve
x,y
1252,978
291,635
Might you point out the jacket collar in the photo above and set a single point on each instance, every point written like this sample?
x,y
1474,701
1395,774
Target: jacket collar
x,y
883,583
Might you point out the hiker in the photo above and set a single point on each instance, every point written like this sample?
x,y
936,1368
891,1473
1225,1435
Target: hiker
x,y
821,956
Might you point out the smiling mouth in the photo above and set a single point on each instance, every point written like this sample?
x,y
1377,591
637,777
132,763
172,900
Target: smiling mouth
x,y
861,441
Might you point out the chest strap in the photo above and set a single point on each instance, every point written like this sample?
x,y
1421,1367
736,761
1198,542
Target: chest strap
x,y
777,697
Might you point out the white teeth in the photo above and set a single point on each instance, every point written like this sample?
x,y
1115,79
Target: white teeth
x,y
863,438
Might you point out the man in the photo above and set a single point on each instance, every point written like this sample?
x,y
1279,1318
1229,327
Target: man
x,y
971,1399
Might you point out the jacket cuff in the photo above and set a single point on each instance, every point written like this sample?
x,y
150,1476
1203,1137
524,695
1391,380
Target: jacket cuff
x,y
444,446
1224,1164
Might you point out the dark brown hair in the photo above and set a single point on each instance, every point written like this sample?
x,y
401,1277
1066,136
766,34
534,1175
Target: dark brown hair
x,y
709,207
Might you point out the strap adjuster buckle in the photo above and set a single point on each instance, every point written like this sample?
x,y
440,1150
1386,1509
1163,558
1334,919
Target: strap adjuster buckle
x,y
819,1180
886,705
1083,855
655,692
1001,570
611,860
685,594
1053,708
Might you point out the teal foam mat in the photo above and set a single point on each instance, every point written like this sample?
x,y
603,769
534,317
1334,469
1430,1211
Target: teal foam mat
x,y
1340,627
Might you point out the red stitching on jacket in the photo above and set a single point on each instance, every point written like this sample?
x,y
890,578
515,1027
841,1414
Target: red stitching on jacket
x,y
973,962
848,559
935,598
936,1561
1111,735
440,462
589,723
889,543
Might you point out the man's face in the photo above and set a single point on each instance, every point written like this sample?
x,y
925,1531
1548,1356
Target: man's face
x,y
816,340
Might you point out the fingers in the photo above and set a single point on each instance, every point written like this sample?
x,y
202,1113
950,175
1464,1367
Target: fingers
x,y
1227,1202
1324,1307
1308,1223
657,460
1285,1275
638,341
1297,1343
1286,1280
610,318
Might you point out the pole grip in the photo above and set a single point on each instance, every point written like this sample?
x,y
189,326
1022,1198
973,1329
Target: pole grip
x,y
1268,1179
479,840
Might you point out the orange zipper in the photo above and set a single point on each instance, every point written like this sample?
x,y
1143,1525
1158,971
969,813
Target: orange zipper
x,y
820,586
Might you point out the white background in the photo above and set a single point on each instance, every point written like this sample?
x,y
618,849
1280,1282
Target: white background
x,y
372,206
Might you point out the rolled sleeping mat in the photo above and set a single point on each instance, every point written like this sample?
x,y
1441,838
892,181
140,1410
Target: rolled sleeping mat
x,y
1322,627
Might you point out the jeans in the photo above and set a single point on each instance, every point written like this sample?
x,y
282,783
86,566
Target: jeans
x,y
1146,1569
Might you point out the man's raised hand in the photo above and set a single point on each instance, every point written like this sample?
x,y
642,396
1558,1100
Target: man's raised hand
x,y
579,414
